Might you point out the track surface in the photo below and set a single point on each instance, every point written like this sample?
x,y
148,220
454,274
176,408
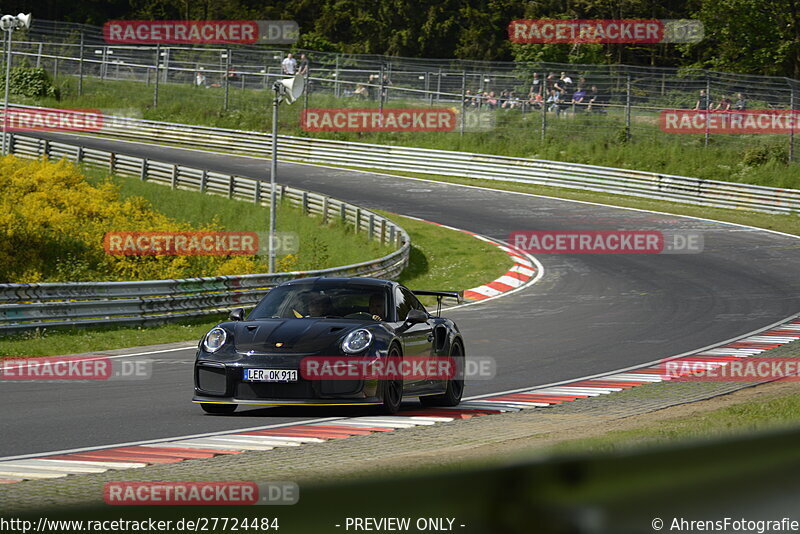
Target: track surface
x,y
589,314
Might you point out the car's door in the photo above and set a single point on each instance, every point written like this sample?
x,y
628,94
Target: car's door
x,y
417,338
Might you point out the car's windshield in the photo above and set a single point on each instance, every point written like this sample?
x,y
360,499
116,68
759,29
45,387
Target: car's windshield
x,y
323,300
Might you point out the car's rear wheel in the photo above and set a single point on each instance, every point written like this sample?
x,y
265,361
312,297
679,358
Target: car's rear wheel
x,y
455,386
218,409
391,391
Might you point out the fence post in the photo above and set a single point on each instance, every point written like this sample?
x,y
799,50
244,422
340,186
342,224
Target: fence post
x,y
143,171
336,90
708,105
39,56
174,180
166,65
791,130
383,231
256,192
380,93
358,219
78,154
80,68
544,117
324,210
112,160
371,232
47,148
343,211
439,86
628,107
227,69
304,207
463,101
231,186
155,88
203,181
11,141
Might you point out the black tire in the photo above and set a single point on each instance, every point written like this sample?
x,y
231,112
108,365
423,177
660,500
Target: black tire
x,y
218,409
391,391
455,388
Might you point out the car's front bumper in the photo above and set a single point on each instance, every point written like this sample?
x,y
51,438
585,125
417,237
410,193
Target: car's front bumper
x,y
222,382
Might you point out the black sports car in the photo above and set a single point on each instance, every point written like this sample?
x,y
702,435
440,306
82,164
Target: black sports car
x,y
259,360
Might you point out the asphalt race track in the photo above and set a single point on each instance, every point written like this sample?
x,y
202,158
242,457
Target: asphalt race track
x,y
589,314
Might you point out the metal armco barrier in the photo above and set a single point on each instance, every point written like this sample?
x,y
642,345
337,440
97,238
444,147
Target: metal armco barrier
x,y
643,184
47,305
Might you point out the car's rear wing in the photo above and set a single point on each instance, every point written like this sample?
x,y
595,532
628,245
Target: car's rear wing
x,y
458,295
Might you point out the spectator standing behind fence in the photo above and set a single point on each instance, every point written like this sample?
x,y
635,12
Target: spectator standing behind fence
x,y
741,102
289,65
579,100
491,100
200,79
566,83
704,102
554,102
724,104
304,64
536,85
549,83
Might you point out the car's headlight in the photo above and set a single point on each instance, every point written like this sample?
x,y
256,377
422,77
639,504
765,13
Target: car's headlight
x,y
215,338
356,341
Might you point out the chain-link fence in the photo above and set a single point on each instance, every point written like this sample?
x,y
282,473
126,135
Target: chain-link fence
x,y
548,100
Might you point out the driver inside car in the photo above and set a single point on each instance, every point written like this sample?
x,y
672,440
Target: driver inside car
x,y
377,306
320,306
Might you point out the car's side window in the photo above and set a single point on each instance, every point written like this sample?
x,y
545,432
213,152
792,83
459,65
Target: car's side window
x,y
402,304
409,301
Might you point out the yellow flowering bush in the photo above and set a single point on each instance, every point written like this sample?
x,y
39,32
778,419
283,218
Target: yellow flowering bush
x,y
53,222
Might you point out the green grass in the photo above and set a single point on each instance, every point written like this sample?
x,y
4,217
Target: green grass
x,y
440,259
447,260
751,416
586,138
320,246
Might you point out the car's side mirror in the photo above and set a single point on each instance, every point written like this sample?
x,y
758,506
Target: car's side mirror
x,y
236,315
416,317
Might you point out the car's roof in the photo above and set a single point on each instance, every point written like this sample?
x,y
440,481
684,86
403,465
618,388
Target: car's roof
x,y
353,281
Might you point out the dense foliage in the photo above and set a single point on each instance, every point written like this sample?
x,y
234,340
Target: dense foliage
x,y
52,224
748,36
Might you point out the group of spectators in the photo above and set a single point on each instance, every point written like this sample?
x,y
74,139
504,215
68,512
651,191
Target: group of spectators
x,y
554,94
704,103
289,67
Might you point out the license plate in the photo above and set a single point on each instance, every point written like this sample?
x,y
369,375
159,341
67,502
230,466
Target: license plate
x,y
270,375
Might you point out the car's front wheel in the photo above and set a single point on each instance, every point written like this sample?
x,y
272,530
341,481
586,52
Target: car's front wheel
x,y
455,386
218,409
391,390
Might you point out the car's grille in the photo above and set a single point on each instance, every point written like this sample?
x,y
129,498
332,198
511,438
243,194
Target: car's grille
x,y
255,390
211,380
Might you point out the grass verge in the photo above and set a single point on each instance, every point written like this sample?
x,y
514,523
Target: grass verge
x,y
440,259
598,139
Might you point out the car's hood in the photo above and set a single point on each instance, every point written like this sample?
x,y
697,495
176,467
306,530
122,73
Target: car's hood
x,y
294,335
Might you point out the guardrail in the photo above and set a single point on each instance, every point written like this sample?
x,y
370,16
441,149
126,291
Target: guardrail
x,y
47,305
643,184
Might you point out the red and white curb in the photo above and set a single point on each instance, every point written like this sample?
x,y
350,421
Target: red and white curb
x,y
523,272
130,456
709,357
